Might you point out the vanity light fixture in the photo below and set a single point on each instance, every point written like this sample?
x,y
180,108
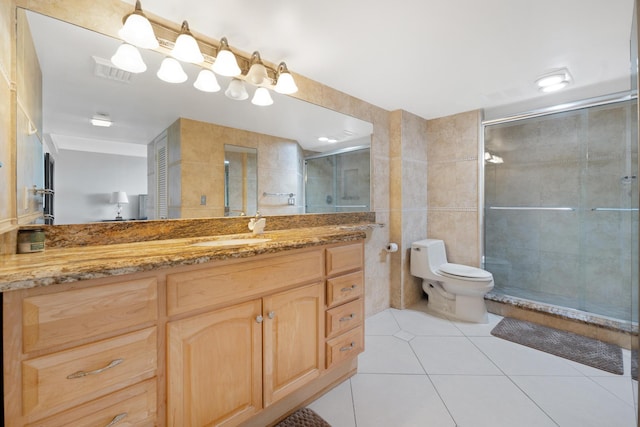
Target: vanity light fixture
x,y
554,81
171,71
285,83
225,63
257,73
128,58
101,120
206,81
236,90
186,47
137,30
262,97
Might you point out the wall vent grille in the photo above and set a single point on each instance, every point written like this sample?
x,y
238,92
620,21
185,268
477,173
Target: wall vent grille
x,y
105,69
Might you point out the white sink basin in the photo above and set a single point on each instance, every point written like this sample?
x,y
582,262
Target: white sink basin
x,y
231,242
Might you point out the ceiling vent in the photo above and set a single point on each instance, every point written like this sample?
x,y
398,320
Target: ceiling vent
x,y
105,69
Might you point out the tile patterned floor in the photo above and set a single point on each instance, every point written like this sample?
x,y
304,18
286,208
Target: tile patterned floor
x,y
420,369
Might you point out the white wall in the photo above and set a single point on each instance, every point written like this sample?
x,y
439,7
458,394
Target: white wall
x,y
84,182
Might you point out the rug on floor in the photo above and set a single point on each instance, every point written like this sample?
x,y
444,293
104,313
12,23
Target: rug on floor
x,y
578,348
304,417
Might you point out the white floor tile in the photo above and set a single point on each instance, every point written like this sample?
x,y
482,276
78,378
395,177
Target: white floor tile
x,y
577,401
452,355
478,329
336,406
398,401
491,401
382,323
388,355
420,323
516,359
620,386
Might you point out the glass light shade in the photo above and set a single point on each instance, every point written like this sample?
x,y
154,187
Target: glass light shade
x,y
262,97
236,90
171,71
206,81
186,49
128,58
226,64
257,74
285,84
137,30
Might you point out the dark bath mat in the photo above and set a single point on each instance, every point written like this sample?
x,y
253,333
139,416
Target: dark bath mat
x,y
587,351
634,364
304,417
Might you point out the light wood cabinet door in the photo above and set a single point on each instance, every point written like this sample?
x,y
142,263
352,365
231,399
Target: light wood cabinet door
x,y
214,367
293,339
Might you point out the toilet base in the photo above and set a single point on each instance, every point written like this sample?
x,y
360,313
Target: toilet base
x,y
460,307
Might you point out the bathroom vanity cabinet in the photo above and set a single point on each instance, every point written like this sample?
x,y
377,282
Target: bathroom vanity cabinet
x,y
228,342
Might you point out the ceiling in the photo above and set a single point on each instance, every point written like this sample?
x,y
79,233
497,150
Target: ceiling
x,y
430,57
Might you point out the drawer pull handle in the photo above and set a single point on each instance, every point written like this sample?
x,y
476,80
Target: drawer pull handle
x,y
349,347
347,318
349,289
81,374
259,318
117,419
271,314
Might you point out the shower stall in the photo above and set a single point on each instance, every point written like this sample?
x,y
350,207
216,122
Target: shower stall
x,y
561,209
338,181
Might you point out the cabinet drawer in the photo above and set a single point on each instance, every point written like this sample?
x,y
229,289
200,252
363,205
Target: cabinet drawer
x,y
133,406
344,317
345,346
218,285
68,378
344,288
344,258
64,317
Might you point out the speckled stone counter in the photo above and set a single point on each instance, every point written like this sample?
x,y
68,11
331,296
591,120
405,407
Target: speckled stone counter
x,y
69,264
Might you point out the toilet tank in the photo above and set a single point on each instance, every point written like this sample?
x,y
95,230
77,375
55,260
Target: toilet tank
x,y
426,256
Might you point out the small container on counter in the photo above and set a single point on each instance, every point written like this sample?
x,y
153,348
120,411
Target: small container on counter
x,y
31,240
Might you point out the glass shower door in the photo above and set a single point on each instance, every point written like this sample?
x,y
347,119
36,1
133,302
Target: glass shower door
x,y
561,209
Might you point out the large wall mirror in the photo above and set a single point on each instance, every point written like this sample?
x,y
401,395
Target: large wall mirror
x,y
79,82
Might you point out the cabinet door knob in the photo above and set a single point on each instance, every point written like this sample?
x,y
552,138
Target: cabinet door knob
x,y
271,314
81,374
117,419
259,318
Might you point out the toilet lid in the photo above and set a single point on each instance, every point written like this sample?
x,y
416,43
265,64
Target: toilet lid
x,y
464,271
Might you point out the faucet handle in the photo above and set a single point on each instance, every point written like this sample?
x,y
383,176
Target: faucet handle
x,y
258,216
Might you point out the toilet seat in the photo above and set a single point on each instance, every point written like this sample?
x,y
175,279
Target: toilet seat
x,y
459,271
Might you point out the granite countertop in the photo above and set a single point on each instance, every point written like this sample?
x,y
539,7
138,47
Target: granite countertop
x,y
64,265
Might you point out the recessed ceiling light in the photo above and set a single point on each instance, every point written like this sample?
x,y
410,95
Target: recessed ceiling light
x,y
553,81
323,139
101,120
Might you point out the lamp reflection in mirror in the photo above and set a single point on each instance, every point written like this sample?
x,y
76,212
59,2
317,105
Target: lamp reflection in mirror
x,y
236,90
206,81
137,29
257,72
186,48
285,84
128,58
262,97
171,71
120,198
226,63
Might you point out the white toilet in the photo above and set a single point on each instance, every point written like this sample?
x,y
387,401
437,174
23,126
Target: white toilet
x,y
454,290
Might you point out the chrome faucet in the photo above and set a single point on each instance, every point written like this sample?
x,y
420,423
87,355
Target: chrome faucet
x,y
257,223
